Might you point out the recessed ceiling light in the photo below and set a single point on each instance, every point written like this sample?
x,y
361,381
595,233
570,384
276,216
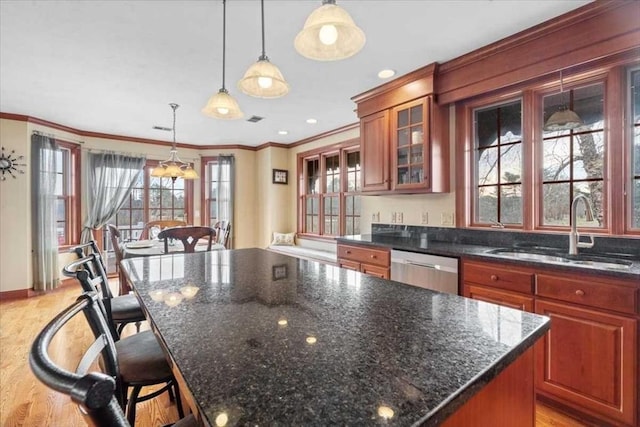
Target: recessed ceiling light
x,y
283,132
312,121
385,74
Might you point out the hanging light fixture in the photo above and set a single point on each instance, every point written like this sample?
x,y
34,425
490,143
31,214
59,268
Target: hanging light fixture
x,y
222,105
263,79
329,34
174,167
564,118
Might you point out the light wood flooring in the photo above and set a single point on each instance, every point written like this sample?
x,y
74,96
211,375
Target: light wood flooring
x,y
24,401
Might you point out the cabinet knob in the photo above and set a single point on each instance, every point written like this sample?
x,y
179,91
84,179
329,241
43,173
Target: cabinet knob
x,y
580,292
348,252
373,257
494,277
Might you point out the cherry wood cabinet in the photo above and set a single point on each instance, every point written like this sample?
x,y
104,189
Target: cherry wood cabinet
x,y
368,260
410,145
404,136
588,361
374,151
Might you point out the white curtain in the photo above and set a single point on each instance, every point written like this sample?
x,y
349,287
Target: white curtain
x,y
226,190
111,177
44,156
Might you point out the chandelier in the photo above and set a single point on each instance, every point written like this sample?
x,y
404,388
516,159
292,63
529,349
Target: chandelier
x,y
174,167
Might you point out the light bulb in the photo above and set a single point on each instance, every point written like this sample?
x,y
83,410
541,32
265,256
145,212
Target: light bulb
x,y
328,34
265,82
222,110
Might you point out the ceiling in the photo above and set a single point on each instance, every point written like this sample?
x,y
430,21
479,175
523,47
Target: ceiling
x,y
114,66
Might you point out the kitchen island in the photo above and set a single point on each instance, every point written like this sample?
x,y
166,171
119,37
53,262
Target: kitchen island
x,y
259,338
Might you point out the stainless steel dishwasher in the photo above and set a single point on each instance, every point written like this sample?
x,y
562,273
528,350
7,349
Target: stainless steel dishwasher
x,y
426,271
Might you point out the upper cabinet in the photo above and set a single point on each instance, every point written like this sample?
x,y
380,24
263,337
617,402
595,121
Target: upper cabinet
x,y
404,134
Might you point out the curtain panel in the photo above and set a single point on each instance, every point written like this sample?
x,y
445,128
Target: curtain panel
x,y
44,181
110,178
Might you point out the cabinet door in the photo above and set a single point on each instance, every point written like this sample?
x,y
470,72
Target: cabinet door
x,y
349,265
374,270
374,150
410,145
496,296
589,359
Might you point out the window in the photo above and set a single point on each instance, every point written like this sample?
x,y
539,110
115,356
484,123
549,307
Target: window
x,y
67,206
218,189
152,199
498,166
330,191
525,176
634,98
573,160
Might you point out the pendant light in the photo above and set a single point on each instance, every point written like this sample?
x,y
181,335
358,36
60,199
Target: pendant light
x,y
174,167
564,118
222,105
329,34
263,79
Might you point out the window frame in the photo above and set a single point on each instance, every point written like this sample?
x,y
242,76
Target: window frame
x,y
617,156
628,155
204,185
320,154
146,209
71,197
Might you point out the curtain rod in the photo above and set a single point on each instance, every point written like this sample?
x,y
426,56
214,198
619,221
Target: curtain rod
x,y
124,153
50,135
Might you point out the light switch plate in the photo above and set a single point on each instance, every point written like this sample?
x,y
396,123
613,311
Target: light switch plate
x,y
399,218
425,218
446,218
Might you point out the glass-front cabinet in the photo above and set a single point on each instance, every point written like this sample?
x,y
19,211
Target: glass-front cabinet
x,y
410,145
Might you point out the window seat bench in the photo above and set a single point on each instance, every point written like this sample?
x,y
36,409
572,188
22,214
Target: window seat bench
x,y
324,252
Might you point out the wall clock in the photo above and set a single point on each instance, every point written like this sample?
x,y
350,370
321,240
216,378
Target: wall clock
x,y
9,164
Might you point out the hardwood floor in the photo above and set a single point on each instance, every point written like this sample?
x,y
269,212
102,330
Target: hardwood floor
x,y
24,401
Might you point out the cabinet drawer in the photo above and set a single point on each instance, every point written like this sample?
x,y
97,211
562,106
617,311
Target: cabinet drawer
x,y
365,255
498,276
588,292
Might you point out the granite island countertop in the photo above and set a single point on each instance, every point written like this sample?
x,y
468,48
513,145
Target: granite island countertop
x,y
271,339
430,244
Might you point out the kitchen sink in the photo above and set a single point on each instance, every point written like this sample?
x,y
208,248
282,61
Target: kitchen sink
x,y
552,256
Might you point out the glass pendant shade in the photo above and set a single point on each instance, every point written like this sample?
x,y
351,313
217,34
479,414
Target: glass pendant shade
x,y
563,120
263,80
190,173
172,170
158,171
329,34
222,106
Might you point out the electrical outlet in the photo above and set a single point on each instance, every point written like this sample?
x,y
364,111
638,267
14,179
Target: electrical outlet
x,y
425,218
393,217
375,217
446,218
399,217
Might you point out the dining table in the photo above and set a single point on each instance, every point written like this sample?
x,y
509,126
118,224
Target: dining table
x,y
256,337
143,248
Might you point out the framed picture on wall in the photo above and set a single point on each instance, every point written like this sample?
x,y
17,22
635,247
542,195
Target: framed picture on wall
x,y
280,176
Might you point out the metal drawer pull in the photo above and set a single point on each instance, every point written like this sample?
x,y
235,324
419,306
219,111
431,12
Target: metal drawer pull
x,y
422,264
580,292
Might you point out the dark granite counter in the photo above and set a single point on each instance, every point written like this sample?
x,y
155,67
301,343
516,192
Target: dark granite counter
x,y
478,244
268,339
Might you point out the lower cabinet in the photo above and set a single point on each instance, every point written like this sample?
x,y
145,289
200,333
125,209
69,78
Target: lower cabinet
x,y
369,260
589,360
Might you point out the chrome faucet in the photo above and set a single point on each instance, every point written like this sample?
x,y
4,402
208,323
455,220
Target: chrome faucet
x,y
574,236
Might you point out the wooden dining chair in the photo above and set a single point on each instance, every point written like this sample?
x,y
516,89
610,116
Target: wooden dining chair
x,y
160,225
189,236
89,270
102,395
116,243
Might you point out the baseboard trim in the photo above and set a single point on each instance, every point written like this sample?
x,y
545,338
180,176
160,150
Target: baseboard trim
x,y
28,293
